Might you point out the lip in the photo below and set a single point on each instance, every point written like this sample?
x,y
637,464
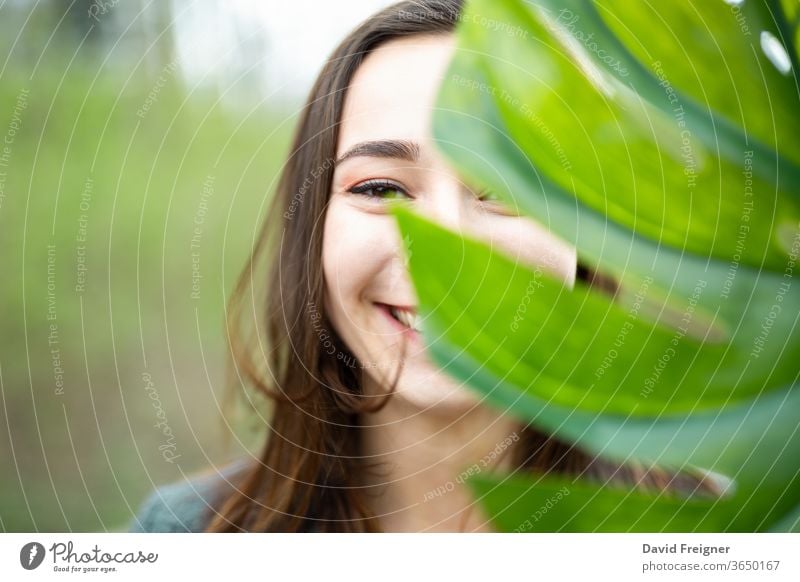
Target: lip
x,y
396,325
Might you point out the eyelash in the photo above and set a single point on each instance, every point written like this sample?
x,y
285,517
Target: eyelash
x,y
483,193
363,188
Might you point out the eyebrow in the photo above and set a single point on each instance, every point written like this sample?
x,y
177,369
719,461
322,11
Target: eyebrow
x,y
383,148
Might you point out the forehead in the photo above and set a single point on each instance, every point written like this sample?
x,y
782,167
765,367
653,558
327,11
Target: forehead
x,y
393,92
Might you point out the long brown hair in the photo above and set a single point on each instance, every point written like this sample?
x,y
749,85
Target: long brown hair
x,y
308,474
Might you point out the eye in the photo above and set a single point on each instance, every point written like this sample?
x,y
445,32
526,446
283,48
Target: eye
x,y
487,196
492,203
379,190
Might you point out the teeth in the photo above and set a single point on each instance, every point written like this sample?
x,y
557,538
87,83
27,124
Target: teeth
x,y
406,318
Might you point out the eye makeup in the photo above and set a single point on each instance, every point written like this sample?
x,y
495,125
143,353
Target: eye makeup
x,y
490,202
377,189
380,189
486,196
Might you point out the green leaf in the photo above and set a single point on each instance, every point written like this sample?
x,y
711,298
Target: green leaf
x,y
660,140
790,523
752,437
579,348
559,504
667,181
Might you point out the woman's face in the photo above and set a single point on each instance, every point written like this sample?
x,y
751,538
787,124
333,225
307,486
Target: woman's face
x,y
385,151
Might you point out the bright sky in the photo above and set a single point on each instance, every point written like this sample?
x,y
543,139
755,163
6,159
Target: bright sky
x,y
221,38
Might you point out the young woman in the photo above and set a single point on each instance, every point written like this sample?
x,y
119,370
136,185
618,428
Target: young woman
x,y
365,433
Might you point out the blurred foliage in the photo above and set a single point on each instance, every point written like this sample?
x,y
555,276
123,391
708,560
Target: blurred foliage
x,y
114,164
662,142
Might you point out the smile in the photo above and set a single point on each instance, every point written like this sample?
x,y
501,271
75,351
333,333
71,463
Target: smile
x,y
407,317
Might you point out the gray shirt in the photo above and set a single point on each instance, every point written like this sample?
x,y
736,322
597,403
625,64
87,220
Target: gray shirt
x,y
185,506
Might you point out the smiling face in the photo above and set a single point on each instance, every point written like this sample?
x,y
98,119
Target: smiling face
x,y
386,151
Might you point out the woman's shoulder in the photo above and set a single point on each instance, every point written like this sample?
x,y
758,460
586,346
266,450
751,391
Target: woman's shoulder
x,y
185,506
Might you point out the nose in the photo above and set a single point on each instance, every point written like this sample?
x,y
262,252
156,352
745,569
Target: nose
x,y
447,204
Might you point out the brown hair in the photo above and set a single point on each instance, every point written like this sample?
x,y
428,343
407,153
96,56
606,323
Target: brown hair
x,y
309,470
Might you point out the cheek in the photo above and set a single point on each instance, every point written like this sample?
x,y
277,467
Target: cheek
x,y
354,246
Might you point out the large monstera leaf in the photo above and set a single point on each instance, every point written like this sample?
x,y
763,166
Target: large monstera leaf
x,y
661,140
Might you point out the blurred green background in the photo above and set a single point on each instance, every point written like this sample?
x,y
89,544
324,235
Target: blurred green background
x,y
115,160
